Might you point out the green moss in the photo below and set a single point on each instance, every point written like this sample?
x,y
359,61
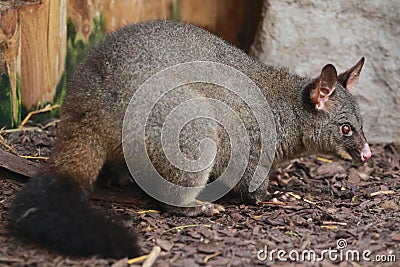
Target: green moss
x,y
61,90
6,102
176,9
6,112
17,119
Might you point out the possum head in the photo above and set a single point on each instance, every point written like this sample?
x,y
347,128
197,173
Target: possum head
x,y
336,117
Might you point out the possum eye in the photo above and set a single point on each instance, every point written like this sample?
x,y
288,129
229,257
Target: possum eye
x,y
346,130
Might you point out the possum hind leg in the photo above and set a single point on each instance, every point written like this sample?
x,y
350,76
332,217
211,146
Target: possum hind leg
x,y
185,199
53,208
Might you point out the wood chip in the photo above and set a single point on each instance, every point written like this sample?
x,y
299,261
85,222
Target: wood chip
x,y
334,223
279,203
386,192
329,226
324,160
152,257
164,244
208,257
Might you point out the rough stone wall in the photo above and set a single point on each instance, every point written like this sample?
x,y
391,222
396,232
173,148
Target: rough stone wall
x,y
304,35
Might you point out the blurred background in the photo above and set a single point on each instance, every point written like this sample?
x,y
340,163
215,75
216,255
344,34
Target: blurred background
x,y
42,41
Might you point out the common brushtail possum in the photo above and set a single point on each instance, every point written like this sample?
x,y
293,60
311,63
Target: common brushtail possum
x,y
309,115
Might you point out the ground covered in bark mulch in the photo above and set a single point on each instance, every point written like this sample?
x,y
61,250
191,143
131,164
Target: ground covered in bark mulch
x,y
321,204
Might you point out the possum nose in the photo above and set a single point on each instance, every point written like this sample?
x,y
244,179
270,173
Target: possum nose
x,y
366,153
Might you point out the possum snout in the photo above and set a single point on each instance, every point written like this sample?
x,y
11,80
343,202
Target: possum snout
x,y
366,153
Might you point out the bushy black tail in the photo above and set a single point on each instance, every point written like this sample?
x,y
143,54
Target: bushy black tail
x,y
57,215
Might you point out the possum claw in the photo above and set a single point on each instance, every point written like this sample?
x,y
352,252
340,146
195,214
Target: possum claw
x,y
206,209
211,209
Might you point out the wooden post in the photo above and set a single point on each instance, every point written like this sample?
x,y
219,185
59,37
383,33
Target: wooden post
x,y
122,12
10,31
43,49
238,21
234,20
200,12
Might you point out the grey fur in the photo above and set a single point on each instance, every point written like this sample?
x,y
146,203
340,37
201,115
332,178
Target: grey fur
x,y
102,87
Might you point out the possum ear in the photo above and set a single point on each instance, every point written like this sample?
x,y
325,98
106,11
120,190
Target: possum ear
x,y
350,78
324,86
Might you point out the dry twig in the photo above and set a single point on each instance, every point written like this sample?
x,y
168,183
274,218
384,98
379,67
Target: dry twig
x,y
45,109
152,257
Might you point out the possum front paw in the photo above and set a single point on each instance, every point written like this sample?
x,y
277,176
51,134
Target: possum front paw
x,y
256,197
205,209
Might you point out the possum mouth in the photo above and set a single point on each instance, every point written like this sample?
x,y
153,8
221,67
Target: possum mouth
x,y
350,154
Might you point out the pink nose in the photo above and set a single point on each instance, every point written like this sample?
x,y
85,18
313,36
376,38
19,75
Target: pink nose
x,y
366,153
